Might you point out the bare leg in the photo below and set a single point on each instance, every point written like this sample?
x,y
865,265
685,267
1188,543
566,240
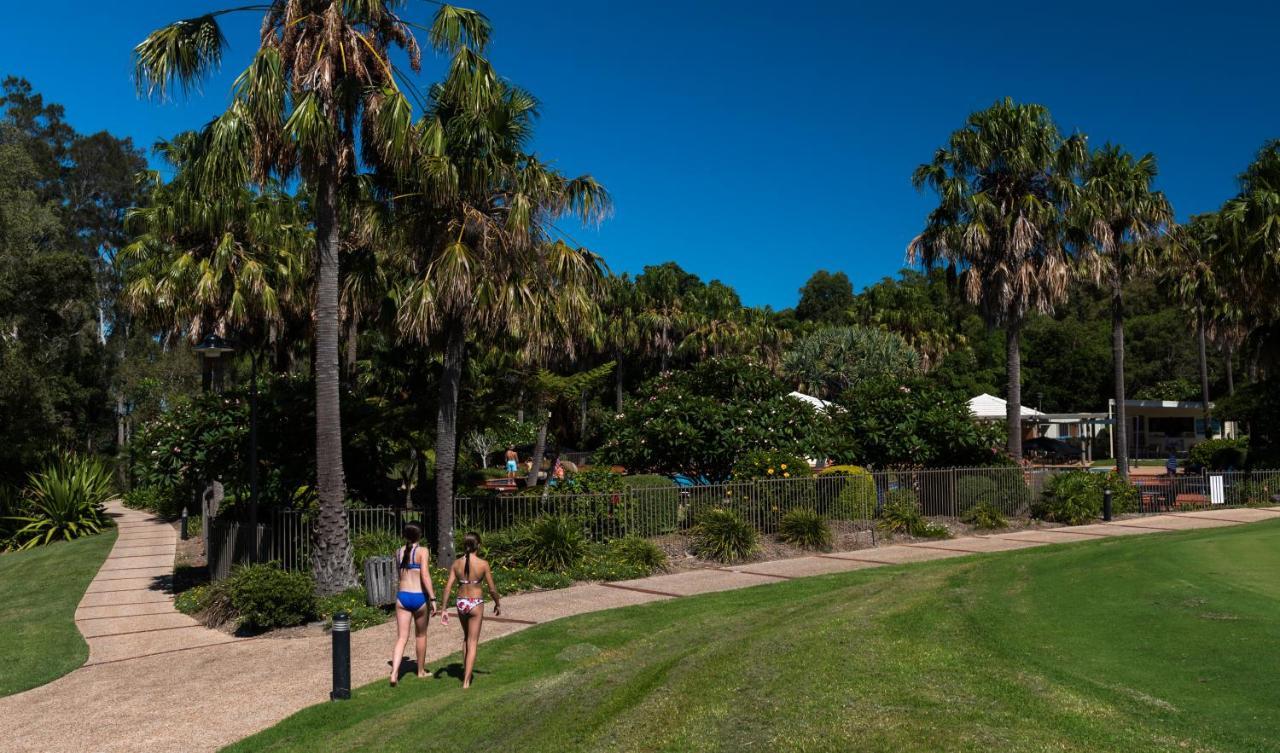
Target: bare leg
x,y
472,627
403,619
421,620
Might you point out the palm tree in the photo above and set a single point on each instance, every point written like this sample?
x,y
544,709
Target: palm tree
x,y
321,74
475,213
663,311
1192,275
620,327
1003,182
1117,221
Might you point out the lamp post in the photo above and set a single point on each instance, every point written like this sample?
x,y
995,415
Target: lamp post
x,y
211,350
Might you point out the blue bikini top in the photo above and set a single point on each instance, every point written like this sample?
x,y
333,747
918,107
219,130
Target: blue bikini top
x,y
414,564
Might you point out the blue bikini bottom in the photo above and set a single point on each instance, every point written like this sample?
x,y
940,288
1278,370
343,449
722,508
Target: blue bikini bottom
x,y
412,600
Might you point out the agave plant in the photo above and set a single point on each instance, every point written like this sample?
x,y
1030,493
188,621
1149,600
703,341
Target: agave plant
x,y
65,501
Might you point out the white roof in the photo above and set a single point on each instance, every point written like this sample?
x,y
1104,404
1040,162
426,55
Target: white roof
x,y
817,403
990,407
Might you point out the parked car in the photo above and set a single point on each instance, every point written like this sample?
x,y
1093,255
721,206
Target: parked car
x,y
1052,450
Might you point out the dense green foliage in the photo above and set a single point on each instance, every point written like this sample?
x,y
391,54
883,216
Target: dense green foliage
x,y
770,464
1144,644
1219,454
701,422
888,422
901,515
265,597
985,516
1075,497
722,535
40,589
856,499
829,361
806,529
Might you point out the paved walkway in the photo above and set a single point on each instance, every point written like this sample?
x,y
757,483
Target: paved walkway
x,y
175,687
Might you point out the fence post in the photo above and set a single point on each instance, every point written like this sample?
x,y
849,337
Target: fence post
x,y
1106,504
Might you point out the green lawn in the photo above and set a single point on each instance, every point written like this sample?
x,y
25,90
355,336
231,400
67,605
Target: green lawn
x,y
1154,643
39,591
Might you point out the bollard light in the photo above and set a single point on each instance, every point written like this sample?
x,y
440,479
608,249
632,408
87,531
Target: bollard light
x,y
185,534
341,657
1106,504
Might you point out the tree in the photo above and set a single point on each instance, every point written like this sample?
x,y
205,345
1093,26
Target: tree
x,y
1118,220
1003,182
890,421
699,422
923,309
551,391
474,219
663,292
825,298
1194,282
831,360
621,331
322,73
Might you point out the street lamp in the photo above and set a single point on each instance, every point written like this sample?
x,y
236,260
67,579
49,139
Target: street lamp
x,y
211,349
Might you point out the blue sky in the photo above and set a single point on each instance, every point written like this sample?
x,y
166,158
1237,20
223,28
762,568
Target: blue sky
x,y
757,143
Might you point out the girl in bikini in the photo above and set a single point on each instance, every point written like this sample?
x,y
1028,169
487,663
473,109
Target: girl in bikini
x,y
412,604
469,573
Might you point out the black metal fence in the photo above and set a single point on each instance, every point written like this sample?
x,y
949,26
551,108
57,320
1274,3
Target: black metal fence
x,y
852,501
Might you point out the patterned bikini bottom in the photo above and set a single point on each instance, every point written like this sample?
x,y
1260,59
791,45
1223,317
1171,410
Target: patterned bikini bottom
x,y
466,606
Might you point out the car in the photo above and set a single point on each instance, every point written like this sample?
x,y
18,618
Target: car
x,y
1052,450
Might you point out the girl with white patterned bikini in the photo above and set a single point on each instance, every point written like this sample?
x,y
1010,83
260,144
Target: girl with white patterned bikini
x,y
470,573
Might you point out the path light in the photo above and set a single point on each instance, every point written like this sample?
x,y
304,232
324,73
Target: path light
x,y
211,350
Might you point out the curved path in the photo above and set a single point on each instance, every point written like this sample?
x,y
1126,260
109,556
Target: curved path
x,y
155,682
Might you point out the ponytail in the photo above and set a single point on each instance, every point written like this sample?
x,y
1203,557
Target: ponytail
x,y
470,543
412,535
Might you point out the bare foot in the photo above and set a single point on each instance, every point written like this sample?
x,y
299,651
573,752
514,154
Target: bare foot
x,y
394,682
424,674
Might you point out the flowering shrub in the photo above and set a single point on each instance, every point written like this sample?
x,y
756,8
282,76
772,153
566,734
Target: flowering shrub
x,y
699,423
856,498
770,464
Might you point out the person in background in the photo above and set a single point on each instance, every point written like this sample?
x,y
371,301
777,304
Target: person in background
x,y
1171,465
513,461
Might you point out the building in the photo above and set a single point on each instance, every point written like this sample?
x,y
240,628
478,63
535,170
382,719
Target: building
x,y
986,407
1154,427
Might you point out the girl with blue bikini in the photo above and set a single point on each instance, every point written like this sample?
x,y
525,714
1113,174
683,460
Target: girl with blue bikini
x,y
412,604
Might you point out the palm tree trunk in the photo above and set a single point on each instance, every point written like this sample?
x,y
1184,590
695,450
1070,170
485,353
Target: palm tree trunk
x,y
1204,374
1013,411
447,438
539,449
330,543
1231,372
1120,429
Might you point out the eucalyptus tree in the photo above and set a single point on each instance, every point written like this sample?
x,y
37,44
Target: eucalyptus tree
x,y
1118,221
1003,182
322,73
474,213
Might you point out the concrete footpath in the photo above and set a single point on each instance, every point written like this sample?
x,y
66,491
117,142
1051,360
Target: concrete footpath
x,y
157,681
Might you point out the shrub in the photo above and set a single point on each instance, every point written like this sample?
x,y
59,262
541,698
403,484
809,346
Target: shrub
x,y
161,500
633,550
193,600
722,535
550,543
806,529
985,515
1219,454
770,464
1255,493
353,602
1075,497
65,501
264,596
856,499
648,481
554,542
595,480
372,544
901,514
1003,490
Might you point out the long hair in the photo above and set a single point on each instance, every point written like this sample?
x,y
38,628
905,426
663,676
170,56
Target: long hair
x,y
470,543
411,536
